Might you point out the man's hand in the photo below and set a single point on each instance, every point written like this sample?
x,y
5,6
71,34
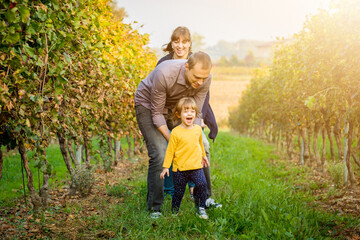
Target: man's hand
x,y
164,171
205,162
164,130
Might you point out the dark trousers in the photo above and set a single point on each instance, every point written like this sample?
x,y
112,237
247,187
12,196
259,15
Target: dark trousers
x,y
156,145
181,178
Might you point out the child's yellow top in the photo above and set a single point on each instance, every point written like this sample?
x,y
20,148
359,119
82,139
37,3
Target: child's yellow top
x,y
185,149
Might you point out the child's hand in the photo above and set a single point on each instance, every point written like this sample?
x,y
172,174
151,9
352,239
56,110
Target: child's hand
x,y
205,162
164,171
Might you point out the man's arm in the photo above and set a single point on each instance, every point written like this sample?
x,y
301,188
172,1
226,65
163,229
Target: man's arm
x,y
158,99
164,130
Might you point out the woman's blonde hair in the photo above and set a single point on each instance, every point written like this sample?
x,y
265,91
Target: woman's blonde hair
x,y
184,103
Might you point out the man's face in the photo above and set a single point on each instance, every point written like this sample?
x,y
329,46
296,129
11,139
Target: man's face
x,y
197,75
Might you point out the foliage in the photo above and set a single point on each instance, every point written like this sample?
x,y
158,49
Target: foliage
x,y
336,171
312,86
197,42
11,183
68,67
234,61
118,13
249,59
84,180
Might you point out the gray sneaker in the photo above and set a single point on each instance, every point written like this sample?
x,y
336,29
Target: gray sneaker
x,y
210,203
155,215
202,213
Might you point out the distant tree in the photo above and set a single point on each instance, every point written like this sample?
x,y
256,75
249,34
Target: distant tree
x,y
249,59
197,42
234,60
223,61
118,13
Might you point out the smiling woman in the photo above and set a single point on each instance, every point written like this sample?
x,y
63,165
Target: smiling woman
x,y
180,44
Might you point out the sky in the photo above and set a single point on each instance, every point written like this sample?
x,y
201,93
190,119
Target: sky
x,y
215,20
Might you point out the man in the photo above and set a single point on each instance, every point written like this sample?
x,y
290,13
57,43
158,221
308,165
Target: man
x,y
155,98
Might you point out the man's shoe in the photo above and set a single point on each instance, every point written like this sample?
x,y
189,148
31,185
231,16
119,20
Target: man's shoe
x,y
202,213
210,203
155,215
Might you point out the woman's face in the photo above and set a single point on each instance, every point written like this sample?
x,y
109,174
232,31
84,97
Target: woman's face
x,y
181,48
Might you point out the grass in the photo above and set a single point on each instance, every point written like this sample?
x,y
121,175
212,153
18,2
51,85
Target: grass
x,y
11,184
257,203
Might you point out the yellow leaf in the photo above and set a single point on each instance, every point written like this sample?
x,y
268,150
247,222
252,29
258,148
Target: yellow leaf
x,y
27,122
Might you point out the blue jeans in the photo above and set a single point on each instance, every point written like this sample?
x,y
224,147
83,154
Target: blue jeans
x,y
169,183
156,145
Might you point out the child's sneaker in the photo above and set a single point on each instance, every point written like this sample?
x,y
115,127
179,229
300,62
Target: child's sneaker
x,y
175,212
155,215
210,203
202,213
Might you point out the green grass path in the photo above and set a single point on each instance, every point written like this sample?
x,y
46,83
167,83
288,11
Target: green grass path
x,y
257,202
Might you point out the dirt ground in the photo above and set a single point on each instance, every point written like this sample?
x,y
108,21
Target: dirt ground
x,y
341,201
20,222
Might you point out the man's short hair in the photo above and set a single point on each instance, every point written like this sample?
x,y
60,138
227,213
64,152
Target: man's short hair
x,y
200,57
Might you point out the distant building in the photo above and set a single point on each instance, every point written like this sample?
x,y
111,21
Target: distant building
x,y
265,50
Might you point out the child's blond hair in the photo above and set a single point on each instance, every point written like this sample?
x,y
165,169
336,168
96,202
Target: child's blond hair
x,y
186,103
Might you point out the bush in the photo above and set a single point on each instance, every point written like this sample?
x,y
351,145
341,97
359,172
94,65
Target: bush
x,y
84,180
336,171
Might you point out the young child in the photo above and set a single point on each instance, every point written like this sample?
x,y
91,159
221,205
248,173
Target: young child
x,y
186,151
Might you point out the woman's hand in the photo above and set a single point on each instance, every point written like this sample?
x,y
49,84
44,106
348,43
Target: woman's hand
x,y
164,171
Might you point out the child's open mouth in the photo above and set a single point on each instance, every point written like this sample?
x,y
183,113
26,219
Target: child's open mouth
x,y
189,119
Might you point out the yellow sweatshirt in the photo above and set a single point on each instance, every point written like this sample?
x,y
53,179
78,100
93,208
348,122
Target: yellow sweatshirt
x,y
185,149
